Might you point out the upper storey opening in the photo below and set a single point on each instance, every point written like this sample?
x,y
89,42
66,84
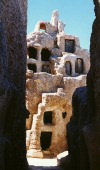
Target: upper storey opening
x,y
42,26
32,52
45,54
48,117
69,46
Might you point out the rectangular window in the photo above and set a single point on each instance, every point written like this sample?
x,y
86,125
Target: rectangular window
x,y
48,117
69,46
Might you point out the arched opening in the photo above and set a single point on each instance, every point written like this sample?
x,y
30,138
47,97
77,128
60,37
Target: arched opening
x,y
45,54
79,66
47,117
68,68
46,68
32,67
32,52
69,46
45,140
42,27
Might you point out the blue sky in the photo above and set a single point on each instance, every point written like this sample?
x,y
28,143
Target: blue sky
x,y
78,15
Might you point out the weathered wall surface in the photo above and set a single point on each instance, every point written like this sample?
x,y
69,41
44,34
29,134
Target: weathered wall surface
x,y
12,84
47,92
55,62
23,10
84,127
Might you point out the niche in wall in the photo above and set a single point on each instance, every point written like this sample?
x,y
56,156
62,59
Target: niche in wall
x,y
45,54
79,66
46,68
64,114
32,67
68,68
32,52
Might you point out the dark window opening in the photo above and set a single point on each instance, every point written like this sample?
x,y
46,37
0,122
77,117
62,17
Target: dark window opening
x,y
46,68
47,117
64,114
79,66
45,140
69,46
32,52
32,67
45,55
68,68
42,27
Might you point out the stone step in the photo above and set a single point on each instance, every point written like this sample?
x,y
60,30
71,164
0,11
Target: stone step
x,y
34,154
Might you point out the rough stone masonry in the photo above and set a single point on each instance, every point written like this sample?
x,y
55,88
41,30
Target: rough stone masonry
x,y
12,93
56,66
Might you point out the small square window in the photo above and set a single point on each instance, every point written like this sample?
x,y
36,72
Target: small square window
x,y
69,46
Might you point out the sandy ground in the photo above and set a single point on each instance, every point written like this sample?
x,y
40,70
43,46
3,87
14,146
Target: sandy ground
x,y
46,164
43,164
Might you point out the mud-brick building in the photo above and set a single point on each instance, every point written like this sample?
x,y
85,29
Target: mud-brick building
x,y
56,66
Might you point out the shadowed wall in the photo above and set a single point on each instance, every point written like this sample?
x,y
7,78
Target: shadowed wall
x,y
12,84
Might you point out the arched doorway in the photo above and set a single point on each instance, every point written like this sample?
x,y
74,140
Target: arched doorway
x,y
79,66
45,140
68,68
